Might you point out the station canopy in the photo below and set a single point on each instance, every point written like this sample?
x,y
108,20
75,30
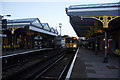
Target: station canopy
x,y
47,27
86,19
33,24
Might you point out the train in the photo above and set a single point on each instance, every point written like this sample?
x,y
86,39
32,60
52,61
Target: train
x,y
71,43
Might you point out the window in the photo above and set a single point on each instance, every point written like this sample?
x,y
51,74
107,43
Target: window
x,y
46,27
37,23
52,30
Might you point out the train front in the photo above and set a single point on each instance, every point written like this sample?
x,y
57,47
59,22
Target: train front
x,y
71,43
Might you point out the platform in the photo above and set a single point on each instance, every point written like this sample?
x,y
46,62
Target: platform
x,y
88,65
23,51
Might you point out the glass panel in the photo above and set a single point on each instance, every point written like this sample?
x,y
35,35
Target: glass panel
x,y
56,31
37,23
46,27
52,30
22,20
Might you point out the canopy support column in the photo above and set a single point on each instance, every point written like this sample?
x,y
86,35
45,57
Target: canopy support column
x,y
12,31
105,56
12,47
96,46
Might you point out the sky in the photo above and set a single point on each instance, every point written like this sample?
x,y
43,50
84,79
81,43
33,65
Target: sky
x,y
48,11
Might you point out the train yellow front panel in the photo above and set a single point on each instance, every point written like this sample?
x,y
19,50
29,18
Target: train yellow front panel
x,y
66,45
71,45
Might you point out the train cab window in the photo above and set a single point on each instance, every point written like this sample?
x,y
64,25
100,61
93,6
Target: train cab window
x,y
74,40
67,40
70,40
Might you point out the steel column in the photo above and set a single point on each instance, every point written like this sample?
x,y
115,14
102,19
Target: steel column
x,y
105,56
12,42
96,46
25,40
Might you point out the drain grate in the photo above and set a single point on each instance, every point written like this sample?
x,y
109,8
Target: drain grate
x,y
112,67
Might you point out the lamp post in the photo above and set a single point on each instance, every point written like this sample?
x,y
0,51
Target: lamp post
x,y
60,25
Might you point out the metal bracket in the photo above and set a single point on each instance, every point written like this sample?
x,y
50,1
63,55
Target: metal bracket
x,y
14,28
104,19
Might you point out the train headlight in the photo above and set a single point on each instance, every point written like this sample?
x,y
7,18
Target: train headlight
x,y
74,45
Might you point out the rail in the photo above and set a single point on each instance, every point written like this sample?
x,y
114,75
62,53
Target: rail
x,y
34,66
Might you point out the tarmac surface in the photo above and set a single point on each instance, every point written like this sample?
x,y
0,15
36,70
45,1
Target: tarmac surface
x,y
88,65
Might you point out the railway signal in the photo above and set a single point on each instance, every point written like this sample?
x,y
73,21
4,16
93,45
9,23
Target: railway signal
x,y
4,23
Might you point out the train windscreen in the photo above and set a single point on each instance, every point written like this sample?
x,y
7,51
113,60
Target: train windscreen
x,y
74,40
67,40
70,40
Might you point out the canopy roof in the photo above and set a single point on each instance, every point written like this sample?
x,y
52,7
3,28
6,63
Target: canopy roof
x,y
83,26
33,24
108,9
25,22
46,26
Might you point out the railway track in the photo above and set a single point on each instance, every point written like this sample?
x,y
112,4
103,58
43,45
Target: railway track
x,y
57,70
28,60
12,73
18,58
40,67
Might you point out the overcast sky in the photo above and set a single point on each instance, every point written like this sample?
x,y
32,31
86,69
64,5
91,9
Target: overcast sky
x,y
48,11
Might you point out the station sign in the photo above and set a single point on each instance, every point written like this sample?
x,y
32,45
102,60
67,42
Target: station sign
x,y
100,31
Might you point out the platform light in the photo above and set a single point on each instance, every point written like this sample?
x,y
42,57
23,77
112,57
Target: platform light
x,y
108,39
103,39
60,25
